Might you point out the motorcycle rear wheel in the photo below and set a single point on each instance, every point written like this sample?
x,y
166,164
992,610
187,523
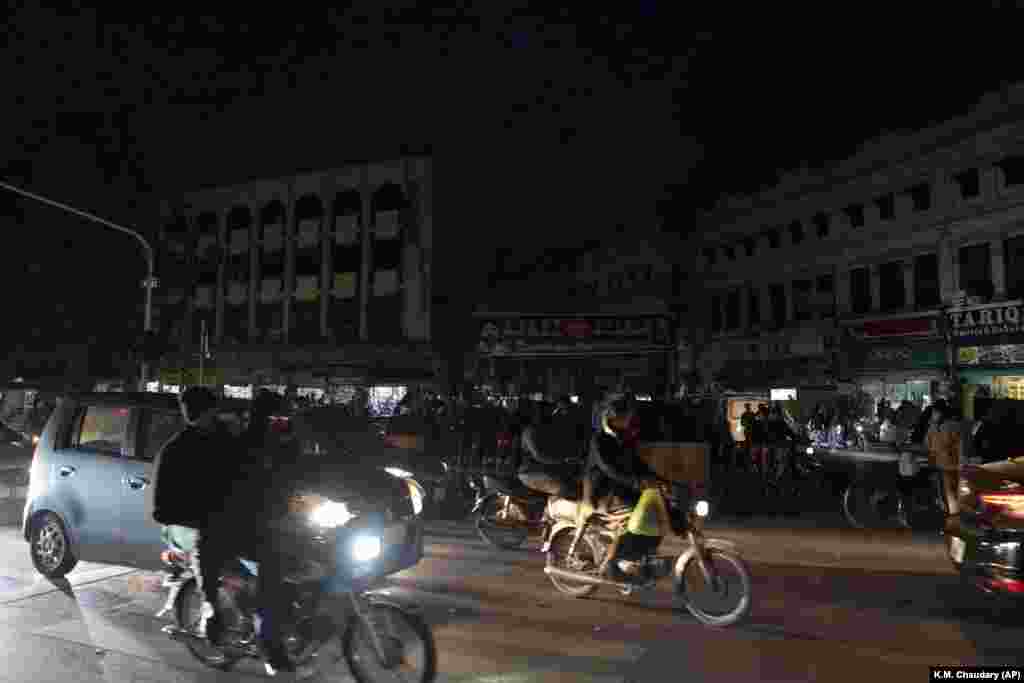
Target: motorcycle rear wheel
x,y
504,534
588,557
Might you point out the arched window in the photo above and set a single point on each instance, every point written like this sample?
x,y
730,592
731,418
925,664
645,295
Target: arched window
x,y
346,258
270,314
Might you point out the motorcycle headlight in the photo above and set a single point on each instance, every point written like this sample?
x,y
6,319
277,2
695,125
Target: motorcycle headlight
x,y
809,450
35,439
702,508
398,472
330,514
860,428
416,494
366,548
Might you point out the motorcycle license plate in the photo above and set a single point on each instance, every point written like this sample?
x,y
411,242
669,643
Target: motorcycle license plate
x,y
957,549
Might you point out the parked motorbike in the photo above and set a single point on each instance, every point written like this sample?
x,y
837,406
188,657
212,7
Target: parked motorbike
x,y
912,499
577,538
335,614
507,512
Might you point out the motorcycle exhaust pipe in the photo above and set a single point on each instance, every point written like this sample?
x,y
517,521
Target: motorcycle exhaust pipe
x,y
580,577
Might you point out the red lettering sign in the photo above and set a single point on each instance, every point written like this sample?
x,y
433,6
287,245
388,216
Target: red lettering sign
x,y
904,327
576,328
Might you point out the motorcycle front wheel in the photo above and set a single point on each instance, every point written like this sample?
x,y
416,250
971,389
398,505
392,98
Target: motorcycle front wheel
x,y
416,660
868,507
726,599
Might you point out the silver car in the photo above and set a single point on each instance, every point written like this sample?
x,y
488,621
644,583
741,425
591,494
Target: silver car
x,y
90,491
90,494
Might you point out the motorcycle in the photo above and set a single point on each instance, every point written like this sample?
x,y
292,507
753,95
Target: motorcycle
x,y
507,511
577,538
339,555
913,499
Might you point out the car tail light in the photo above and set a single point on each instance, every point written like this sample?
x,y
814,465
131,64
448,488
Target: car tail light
x,y
1005,585
1006,502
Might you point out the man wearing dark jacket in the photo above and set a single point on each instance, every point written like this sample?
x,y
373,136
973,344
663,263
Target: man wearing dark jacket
x,y
615,475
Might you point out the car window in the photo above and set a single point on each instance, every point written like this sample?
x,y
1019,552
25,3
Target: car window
x,y
103,429
159,430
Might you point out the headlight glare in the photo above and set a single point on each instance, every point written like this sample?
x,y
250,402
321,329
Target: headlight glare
x,y
331,514
366,548
702,508
398,472
809,450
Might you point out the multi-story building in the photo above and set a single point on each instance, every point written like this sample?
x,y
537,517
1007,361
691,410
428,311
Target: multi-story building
x,y
900,269
579,321
307,280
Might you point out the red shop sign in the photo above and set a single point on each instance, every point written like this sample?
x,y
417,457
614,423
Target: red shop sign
x,y
903,327
576,328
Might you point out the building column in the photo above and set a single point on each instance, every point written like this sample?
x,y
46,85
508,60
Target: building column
x,y
948,277
254,261
365,268
745,307
218,297
998,260
788,288
875,276
326,257
288,286
842,280
908,283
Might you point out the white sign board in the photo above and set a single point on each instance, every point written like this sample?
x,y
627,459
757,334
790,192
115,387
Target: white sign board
x,y
783,394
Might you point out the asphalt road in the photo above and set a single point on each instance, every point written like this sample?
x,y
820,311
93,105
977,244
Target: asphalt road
x,y
864,608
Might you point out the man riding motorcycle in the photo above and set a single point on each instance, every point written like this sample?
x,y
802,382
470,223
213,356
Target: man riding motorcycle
x,y
230,512
614,477
547,445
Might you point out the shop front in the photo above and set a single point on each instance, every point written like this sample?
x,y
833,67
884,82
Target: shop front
x,y
574,355
988,342
898,359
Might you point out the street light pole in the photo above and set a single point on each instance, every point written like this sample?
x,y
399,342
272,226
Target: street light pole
x,y
150,282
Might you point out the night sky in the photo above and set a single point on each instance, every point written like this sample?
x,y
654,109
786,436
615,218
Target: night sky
x,y
544,129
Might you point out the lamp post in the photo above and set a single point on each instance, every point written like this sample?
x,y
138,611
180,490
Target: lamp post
x,y
149,284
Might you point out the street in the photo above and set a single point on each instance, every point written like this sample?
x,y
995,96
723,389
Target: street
x,y
496,618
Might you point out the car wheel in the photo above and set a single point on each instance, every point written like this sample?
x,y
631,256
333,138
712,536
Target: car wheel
x,y
50,546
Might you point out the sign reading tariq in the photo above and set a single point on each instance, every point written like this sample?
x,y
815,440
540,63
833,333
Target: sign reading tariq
x,y
988,319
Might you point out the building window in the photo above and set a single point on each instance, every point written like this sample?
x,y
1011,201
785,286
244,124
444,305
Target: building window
x,y
855,212
860,290
754,306
821,224
732,310
824,294
1013,170
716,314
921,196
927,293
969,182
777,297
886,207
748,246
773,239
709,255
976,270
796,231
802,300
892,295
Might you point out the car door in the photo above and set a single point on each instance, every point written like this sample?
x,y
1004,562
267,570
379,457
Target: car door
x,y
142,542
87,473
